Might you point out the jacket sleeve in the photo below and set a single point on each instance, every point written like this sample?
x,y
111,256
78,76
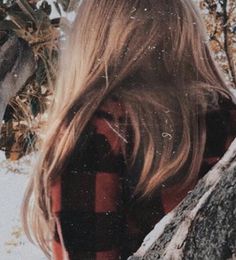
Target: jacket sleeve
x,y
87,199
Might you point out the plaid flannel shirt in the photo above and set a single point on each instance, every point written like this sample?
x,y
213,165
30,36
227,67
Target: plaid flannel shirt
x,y
94,218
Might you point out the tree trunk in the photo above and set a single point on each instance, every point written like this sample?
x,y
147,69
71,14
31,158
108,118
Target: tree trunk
x,y
16,66
203,226
227,46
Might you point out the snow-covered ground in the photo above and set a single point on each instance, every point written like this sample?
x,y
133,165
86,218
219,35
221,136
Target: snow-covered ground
x,y
13,179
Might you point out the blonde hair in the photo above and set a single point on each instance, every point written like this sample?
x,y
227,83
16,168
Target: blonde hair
x,y
154,56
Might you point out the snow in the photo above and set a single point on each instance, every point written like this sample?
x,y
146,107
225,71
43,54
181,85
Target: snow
x,y
13,180
54,14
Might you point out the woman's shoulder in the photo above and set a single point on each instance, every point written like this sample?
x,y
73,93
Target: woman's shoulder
x,y
220,132
109,123
229,108
112,110
223,119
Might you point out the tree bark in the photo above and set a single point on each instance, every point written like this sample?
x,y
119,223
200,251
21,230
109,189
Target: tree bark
x,y
203,226
227,46
17,65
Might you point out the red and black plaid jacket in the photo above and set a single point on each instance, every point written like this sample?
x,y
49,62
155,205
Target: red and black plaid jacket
x,y
96,215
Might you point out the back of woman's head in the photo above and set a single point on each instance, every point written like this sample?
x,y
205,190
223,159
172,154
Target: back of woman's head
x,y
152,55
114,39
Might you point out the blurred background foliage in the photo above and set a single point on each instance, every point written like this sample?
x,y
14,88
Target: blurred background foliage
x,y
39,23
220,19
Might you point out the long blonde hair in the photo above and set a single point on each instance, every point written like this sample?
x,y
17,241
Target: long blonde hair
x,y
154,56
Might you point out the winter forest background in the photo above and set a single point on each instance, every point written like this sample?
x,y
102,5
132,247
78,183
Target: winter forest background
x,y
42,24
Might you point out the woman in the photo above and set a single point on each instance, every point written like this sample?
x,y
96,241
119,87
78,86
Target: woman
x,y
137,99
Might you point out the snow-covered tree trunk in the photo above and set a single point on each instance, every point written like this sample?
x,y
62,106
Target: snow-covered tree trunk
x,y
203,226
16,66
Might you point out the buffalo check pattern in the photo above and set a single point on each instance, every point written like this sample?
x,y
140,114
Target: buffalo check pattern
x,y
96,217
